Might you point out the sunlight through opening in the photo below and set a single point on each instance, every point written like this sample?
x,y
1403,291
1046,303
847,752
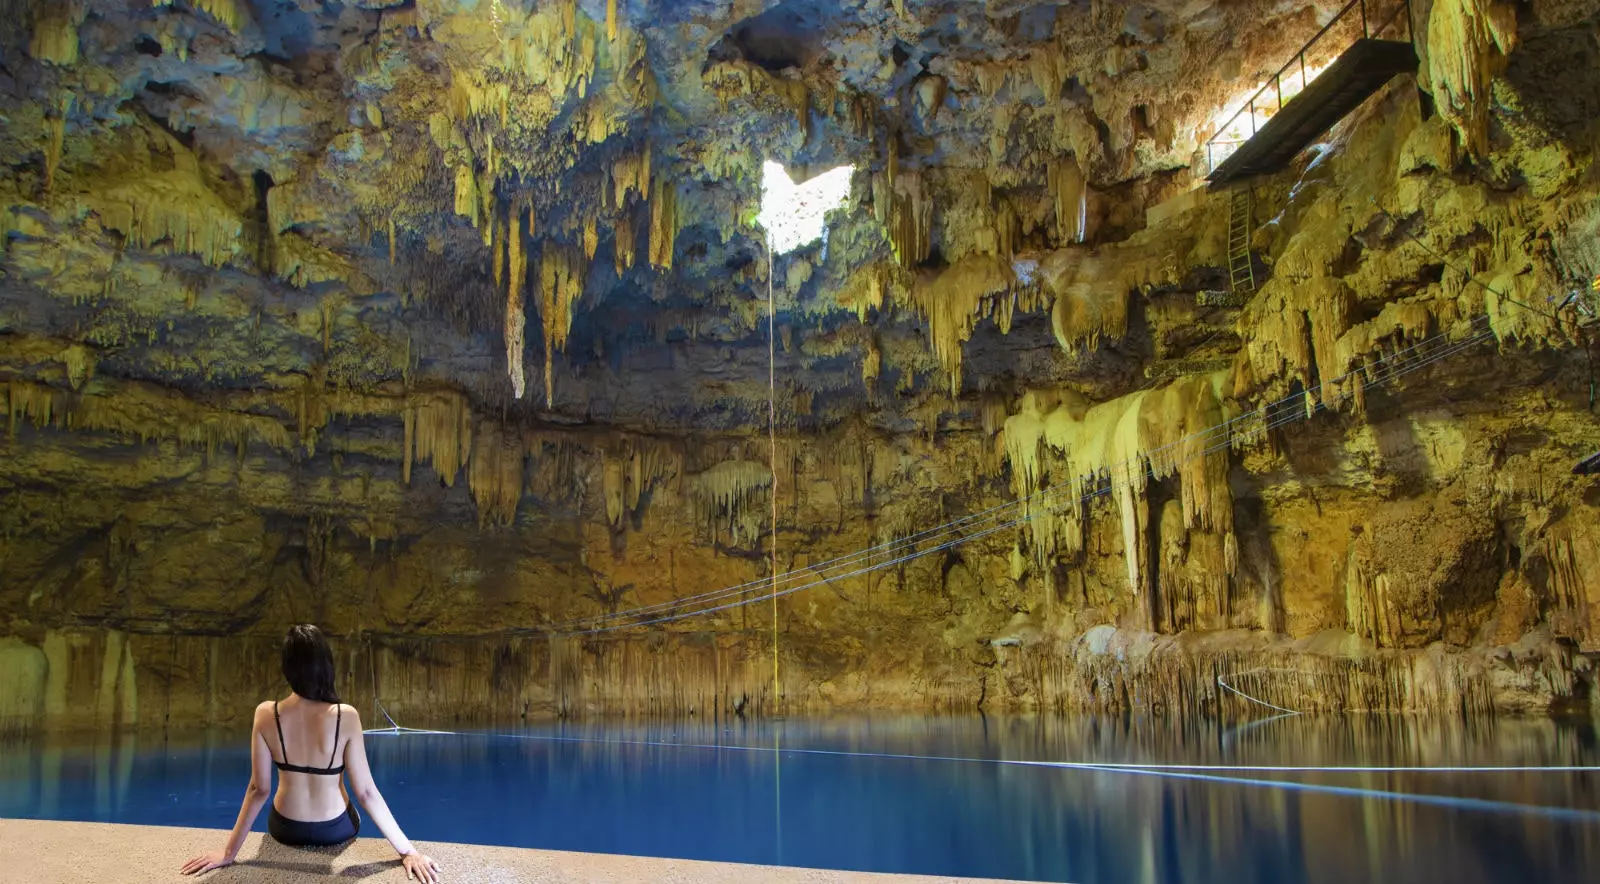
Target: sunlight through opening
x,y
793,214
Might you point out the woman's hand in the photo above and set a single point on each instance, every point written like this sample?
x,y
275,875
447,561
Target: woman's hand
x,y
216,859
420,867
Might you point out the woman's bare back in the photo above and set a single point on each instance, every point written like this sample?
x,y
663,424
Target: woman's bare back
x,y
313,735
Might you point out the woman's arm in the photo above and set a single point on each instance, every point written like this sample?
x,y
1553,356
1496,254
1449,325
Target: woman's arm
x,y
255,797
366,792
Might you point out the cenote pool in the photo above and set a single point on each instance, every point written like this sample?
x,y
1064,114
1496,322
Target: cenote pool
x,y
836,793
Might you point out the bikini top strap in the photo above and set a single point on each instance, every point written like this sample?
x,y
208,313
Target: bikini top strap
x,y
282,746
335,753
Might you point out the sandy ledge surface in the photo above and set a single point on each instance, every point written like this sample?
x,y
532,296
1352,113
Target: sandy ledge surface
x,y
41,852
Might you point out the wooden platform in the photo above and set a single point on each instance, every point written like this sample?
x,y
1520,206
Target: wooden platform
x,y
41,852
1362,70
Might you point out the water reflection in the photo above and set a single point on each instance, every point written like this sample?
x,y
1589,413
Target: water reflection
x,y
777,792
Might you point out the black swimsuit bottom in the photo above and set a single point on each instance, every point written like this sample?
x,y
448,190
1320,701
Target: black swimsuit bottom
x,y
298,833
294,833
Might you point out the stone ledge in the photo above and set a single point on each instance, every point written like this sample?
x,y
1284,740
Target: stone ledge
x,y
47,852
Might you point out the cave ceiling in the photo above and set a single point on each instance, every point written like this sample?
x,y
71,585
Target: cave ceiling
x,y
243,194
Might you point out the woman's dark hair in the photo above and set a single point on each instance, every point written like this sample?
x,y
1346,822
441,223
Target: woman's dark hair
x,y
308,663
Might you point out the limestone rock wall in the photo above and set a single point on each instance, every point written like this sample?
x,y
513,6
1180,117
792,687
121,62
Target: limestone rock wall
x,y
267,355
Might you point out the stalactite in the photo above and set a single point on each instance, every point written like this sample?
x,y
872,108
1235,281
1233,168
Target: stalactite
x,y
731,497
1070,194
230,13
663,223
467,202
1468,45
497,251
494,474
906,213
390,224
55,31
871,363
35,403
1297,332
623,253
591,237
1046,78
442,432
641,464
1090,299
1121,446
408,419
516,320
611,20
630,174
952,304
80,365
562,271
174,208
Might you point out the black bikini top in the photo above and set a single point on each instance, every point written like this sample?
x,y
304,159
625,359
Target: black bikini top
x,y
330,770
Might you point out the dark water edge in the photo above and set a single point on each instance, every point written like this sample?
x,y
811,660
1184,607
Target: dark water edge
x,y
830,793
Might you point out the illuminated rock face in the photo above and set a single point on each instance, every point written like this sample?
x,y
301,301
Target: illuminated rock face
x,y
280,299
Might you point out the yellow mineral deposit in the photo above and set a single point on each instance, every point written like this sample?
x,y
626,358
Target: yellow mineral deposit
x,y
630,174
233,14
631,469
55,31
591,237
80,364
663,223
467,194
173,211
562,269
953,302
516,284
1071,194
1468,43
626,241
441,433
904,208
731,498
35,403
494,473
1121,446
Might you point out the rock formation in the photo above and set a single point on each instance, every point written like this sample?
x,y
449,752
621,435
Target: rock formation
x,y
442,323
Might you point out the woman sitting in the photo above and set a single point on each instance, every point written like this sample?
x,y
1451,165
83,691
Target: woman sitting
x,y
311,807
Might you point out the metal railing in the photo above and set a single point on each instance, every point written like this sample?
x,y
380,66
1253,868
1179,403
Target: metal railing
x,y
1269,99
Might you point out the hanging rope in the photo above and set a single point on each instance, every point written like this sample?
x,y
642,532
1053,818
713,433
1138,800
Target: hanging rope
x,y
772,460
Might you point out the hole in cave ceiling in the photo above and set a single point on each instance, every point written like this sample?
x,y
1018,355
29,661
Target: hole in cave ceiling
x,y
794,214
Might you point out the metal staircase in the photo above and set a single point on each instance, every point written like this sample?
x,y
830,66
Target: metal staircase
x,y
1278,121
1241,264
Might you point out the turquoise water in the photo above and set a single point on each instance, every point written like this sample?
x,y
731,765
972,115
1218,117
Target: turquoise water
x,y
821,793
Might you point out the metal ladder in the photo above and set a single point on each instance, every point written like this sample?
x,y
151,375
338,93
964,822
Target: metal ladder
x,y
1241,266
